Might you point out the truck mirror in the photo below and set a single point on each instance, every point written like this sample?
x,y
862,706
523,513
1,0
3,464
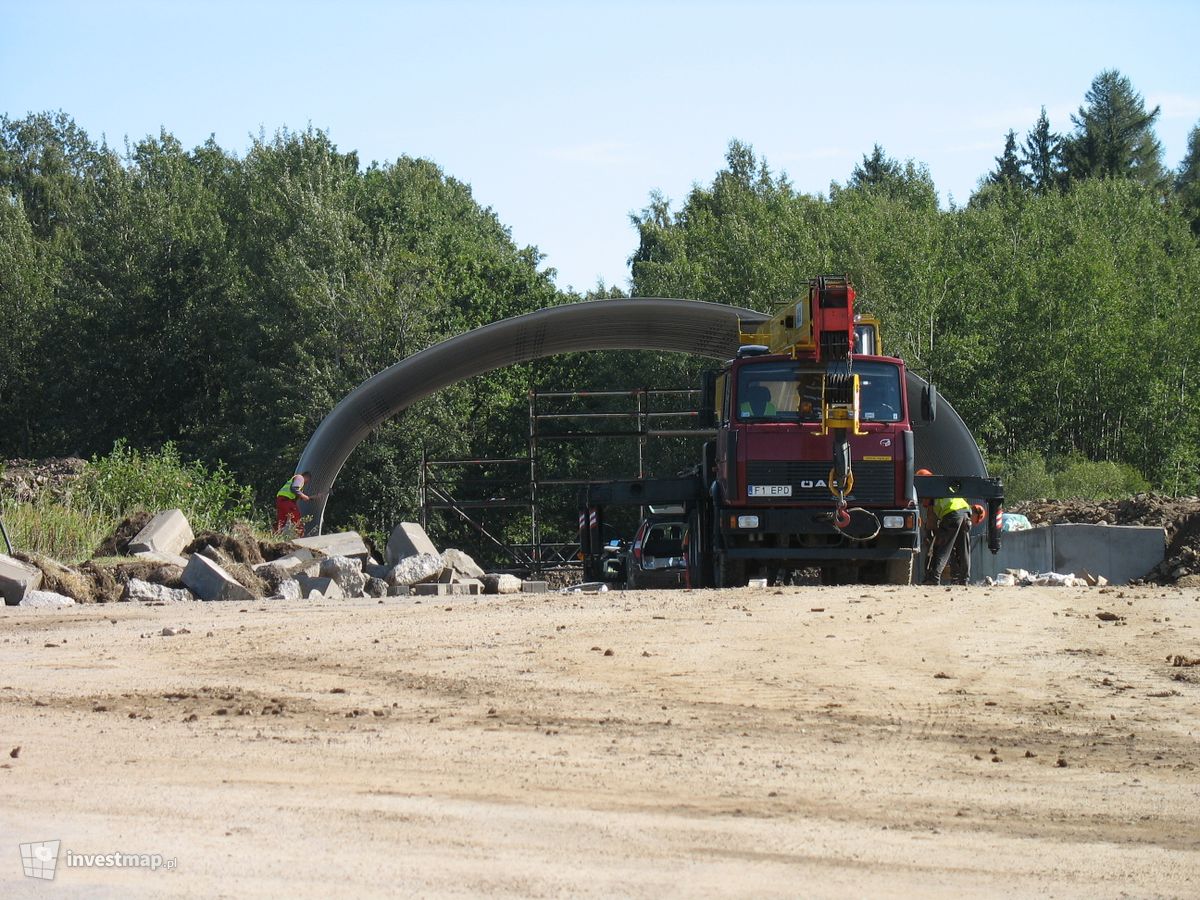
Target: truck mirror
x,y
928,404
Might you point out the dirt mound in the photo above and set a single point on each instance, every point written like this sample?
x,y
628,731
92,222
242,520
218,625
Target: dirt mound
x,y
272,551
241,546
117,543
23,480
87,584
166,574
1179,516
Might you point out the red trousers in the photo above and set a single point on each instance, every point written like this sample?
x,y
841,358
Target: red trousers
x,y
288,511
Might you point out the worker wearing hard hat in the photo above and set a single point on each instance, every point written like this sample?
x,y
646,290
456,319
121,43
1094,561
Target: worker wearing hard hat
x,y
950,523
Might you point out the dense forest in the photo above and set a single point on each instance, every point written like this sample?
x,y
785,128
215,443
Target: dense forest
x,y
225,304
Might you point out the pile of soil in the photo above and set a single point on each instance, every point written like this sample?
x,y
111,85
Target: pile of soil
x,y
22,480
241,546
1179,516
117,543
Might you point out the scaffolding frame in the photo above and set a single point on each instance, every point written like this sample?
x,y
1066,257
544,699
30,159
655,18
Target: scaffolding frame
x,y
439,493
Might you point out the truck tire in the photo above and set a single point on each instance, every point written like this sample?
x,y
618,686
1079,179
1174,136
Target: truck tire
x,y
900,571
730,572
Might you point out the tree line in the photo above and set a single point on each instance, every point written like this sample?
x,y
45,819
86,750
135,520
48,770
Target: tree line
x,y
226,303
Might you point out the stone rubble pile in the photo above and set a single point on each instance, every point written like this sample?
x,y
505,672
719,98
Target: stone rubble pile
x,y
172,565
23,480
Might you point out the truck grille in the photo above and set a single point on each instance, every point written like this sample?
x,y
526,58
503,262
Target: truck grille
x,y
873,481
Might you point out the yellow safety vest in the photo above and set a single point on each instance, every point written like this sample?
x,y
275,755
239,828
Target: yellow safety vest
x,y
943,506
286,490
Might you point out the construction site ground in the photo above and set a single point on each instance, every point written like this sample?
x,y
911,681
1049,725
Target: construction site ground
x,y
805,741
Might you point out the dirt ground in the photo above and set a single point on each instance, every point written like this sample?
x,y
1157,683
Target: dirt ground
x,y
821,742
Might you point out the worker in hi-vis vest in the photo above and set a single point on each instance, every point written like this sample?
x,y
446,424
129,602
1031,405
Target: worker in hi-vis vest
x,y
757,401
951,526
286,507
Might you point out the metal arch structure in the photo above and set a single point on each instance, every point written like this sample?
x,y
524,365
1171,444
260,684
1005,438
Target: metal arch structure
x,y
681,326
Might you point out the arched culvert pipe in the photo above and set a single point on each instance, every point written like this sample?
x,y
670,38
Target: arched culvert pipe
x,y
681,326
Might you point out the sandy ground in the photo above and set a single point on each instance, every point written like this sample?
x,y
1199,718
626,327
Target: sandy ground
x,y
779,742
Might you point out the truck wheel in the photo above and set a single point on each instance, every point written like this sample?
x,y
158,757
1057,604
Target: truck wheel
x,y
900,571
730,572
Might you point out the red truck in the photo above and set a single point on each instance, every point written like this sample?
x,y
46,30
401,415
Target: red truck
x,y
812,463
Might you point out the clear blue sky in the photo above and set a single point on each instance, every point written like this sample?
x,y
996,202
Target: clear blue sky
x,y
563,117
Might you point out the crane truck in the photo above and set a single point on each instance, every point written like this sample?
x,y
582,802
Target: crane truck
x,y
811,463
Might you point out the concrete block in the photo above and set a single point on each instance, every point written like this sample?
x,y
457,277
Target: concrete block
x,y
398,590
16,579
325,587
461,564
343,543
168,532
534,587
147,592
409,539
208,581
46,600
155,556
432,589
473,585
501,584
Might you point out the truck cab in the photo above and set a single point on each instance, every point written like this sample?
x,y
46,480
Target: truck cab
x,y
773,481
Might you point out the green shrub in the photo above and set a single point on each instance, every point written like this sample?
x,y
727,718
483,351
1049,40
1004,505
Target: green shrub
x,y
1083,479
1025,477
128,479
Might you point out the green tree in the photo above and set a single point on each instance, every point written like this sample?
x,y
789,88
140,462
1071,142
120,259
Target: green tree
x,y
1187,181
1042,156
1114,134
1008,172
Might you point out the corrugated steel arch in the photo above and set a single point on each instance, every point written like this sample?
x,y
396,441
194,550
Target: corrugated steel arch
x,y
682,326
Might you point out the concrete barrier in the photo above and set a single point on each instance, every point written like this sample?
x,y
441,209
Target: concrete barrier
x,y
343,543
1120,553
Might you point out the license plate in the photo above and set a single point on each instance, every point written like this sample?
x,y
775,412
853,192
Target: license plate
x,y
769,490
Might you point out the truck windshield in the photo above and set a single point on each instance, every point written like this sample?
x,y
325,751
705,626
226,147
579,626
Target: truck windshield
x,y
791,392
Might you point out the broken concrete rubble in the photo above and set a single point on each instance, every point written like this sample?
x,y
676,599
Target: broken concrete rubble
x,y
376,587
288,589
46,600
501,584
17,579
320,587
462,565
347,572
343,543
167,533
147,592
409,539
209,581
415,569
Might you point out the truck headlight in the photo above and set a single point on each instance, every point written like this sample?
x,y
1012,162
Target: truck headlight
x,y
747,521
893,521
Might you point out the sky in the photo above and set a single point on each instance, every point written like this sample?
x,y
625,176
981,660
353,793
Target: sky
x,y
564,117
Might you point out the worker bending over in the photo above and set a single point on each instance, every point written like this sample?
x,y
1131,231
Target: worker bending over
x,y
951,527
286,508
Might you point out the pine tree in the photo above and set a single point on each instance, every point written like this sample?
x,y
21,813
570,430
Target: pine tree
x,y
1042,156
1187,181
876,170
1008,172
1114,134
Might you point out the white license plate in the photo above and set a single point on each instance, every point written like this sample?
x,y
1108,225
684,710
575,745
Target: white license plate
x,y
769,490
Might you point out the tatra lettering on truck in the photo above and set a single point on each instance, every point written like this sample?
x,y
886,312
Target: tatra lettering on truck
x,y
812,462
